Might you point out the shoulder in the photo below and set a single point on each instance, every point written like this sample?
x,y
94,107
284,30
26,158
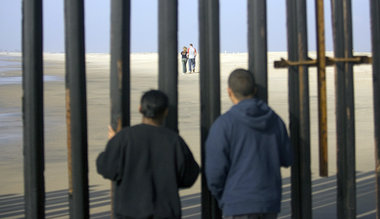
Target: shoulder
x,y
134,131
169,133
276,117
159,132
170,138
278,124
222,122
157,135
124,131
226,117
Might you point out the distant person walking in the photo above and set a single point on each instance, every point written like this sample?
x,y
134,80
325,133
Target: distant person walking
x,y
191,54
184,59
245,149
149,163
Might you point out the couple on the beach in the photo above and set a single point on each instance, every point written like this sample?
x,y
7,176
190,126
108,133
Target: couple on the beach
x,y
245,149
188,54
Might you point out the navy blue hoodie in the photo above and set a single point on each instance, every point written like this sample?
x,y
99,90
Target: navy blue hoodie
x,y
245,149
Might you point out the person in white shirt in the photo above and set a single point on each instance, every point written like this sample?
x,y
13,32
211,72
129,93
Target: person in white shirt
x,y
191,54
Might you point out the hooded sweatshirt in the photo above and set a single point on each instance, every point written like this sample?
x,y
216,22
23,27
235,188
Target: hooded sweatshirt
x,y
245,149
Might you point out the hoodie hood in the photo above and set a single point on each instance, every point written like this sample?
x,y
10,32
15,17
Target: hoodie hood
x,y
254,112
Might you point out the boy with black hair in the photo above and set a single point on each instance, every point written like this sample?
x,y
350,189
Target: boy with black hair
x,y
245,149
149,163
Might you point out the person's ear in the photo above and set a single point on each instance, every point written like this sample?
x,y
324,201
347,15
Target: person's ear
x,y
232,96
140,108
229,91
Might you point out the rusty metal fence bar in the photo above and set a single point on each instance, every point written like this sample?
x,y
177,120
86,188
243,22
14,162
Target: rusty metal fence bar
x,y
345,114
209,88
299,110
76,86
32,108
120,64
328,60
120,83
375,28
257,46
322,96
168,56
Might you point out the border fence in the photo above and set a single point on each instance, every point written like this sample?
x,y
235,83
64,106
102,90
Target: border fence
x,y
298,63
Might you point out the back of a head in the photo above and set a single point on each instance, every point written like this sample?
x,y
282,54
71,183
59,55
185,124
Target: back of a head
x,y
242,83
153,104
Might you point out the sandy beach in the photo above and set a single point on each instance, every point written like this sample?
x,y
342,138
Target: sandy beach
x,y
144,75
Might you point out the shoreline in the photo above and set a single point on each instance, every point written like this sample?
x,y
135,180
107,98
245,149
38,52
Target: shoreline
x,y
144,68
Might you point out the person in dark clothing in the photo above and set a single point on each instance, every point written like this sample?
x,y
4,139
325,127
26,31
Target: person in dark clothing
x,y
245,150
184,59
148,164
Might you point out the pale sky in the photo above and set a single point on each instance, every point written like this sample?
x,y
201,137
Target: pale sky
x,y
233,25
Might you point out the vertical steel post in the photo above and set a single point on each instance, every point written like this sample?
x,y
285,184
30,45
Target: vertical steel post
x,y
342,29
375,29
299,109
304,149
168,57
257,46
209,88
120,67
293,86
33,124
120,63
322,97
76,90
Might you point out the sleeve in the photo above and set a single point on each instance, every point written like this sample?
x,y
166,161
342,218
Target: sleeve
x,y
189,169
286,152
217,161
109,163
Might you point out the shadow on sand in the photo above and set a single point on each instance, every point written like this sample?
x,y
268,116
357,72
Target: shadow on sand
x,y
324,201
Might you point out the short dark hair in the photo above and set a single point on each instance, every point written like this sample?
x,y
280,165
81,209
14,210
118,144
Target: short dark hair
x,y
154,103
242,83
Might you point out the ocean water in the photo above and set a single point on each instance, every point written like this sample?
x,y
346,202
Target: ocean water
x,y
11,71
11,116
8,63
18,79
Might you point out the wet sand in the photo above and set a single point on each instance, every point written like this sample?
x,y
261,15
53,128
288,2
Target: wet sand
x,y
144,68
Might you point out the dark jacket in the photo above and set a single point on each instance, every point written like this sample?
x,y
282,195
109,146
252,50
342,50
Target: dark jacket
x,y
245,149
148,164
